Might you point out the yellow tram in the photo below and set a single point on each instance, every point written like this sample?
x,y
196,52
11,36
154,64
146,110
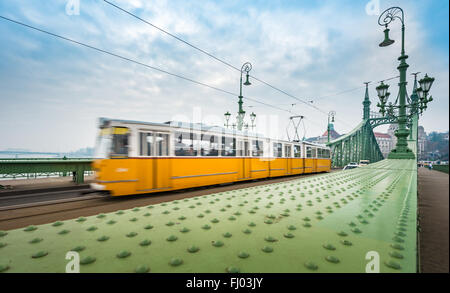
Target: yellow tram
x,y
135,157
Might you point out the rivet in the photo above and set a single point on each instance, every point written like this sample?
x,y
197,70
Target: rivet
x,y
329,246
184,230
123,254
267,249
332,259
233,270
172,238
78,248
193,249
270,239
4,268
103,238
243,254
142,269
30,228
311,266
145,242
217,243
87,260
63,232
227,235
39,254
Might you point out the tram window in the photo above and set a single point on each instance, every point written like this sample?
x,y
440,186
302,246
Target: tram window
x,y
314,152
277,150
319,153
146,144
184,144
209,145
228,146
287,151
297,152
162,144
308,152
257,149
120,142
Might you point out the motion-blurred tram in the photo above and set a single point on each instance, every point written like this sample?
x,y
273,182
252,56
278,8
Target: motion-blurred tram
x,y
135,157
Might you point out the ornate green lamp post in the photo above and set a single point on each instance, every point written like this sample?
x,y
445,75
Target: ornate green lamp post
x,y
330,115
252,119
401,150
246,67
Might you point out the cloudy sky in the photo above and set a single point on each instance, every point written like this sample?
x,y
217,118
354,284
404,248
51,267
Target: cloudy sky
x,y
52,91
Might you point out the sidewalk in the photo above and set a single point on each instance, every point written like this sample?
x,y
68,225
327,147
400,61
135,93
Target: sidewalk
x,y
433,200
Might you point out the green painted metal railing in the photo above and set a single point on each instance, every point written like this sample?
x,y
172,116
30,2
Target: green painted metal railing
x,y
359,144
33,168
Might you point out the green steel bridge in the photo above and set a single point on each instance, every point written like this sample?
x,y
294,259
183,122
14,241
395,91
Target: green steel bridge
x,y
334,222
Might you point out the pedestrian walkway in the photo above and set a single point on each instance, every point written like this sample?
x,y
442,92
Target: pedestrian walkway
x,y
433,212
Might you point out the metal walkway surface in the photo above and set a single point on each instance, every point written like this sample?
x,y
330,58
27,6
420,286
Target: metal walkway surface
x,y
325,223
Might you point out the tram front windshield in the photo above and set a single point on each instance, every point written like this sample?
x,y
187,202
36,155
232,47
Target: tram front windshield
x,y
112,142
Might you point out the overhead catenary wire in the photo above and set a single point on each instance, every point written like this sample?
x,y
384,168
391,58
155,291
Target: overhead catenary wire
x,y
138,62
306,102
214,57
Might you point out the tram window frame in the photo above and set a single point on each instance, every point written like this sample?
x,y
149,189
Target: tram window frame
x,y
144,144
226,140
297,151
205,145
257,148
125,144
287,150
277,149
158,146
309,152
190,149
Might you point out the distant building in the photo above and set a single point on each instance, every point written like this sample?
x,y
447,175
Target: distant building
x,y
421,141
384,141
391,131
323,139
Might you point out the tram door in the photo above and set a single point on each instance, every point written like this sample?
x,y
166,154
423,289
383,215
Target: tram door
x,y
153,170
288,160
244,154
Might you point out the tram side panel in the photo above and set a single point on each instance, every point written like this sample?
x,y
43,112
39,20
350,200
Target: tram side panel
x,y
297,165
193,172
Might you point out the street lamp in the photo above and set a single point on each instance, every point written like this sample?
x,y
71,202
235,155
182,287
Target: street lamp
x,y
227,118
252,119
422,92
330,115
246,67
401,150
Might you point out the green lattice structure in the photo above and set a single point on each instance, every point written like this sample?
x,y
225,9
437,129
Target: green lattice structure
x,y
360,143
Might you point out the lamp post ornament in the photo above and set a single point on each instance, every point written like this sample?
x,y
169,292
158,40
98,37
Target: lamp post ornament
x,y
330,115
401,150
246,67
